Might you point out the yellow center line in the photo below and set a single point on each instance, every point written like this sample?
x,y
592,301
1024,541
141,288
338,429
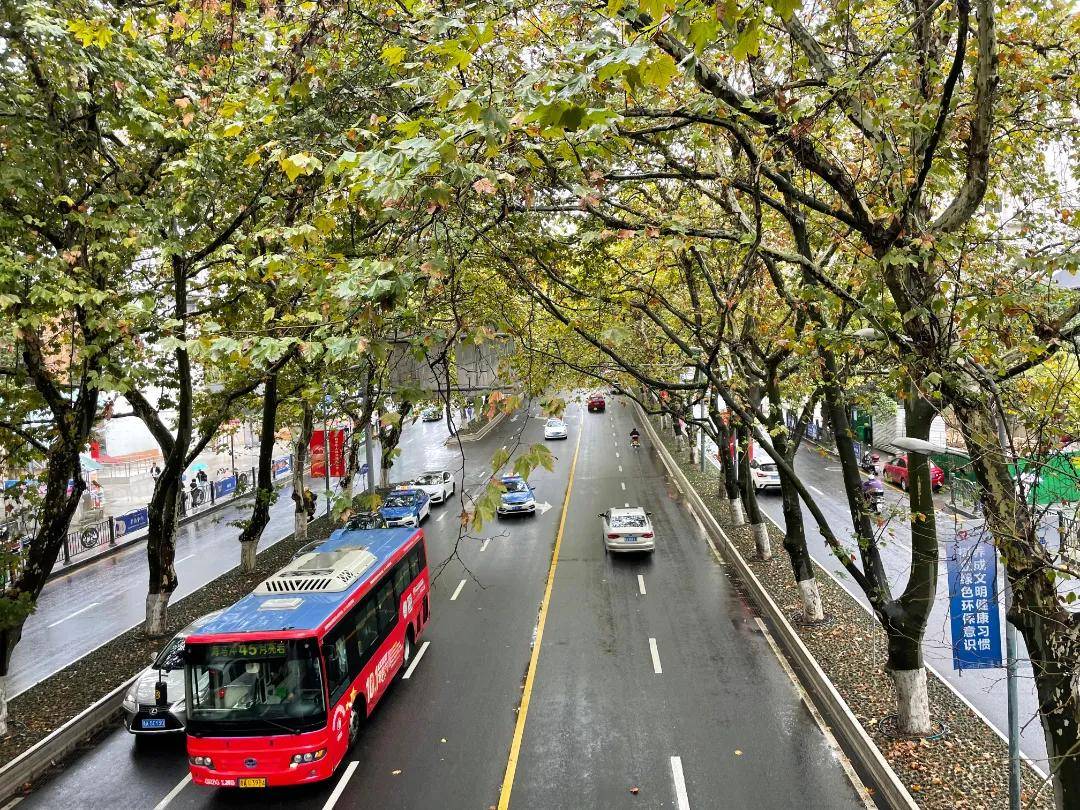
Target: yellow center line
x,y
530,677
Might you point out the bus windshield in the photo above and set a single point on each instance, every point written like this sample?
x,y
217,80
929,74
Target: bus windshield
x,y
254,687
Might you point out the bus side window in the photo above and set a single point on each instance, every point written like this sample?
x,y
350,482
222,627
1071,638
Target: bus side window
x,y
337,665
367,628
387,606
421,558
414,564
402,578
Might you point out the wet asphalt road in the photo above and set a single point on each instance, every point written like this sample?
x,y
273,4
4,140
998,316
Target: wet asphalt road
x,y
986,688
601,720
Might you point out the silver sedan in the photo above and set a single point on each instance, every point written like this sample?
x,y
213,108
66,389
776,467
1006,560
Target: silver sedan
x,y
627,529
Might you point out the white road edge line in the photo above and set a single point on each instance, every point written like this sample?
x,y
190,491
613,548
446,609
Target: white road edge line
x,y
818,491
681,799
830,740
73,615
416,660
656,668
188,557
457,590
172,794
641,584
340,787
12,803
483,546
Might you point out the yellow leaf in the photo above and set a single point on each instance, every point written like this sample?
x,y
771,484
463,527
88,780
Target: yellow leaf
x,y
253,158
232,130
325,223
393,54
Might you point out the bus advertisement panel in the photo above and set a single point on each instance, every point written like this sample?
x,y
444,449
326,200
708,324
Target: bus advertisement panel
x,y
269,707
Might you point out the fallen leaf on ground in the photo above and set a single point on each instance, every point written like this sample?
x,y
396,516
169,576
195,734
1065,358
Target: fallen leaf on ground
x,y
635,790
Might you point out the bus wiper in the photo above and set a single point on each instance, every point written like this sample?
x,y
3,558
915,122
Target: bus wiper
x,y
289,729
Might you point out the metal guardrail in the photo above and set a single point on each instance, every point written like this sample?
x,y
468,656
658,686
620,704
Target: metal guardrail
x,y
88,537
828,700
37,759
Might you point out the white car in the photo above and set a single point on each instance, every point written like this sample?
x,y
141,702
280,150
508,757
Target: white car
x,y
554,428
438,484
147,712
763,472
627,529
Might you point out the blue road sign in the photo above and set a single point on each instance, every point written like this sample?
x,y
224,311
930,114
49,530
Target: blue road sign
x,y
974,610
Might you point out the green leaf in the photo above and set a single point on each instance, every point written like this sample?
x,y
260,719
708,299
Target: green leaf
x,y
749,43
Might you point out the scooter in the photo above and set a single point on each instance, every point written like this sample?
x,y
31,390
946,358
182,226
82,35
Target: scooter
x,y
874,492
635,442
869,462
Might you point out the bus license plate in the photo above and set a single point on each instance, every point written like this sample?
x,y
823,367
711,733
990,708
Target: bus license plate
x,y
157,722
252,782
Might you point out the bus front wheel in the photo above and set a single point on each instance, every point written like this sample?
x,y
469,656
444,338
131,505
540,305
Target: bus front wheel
x,y
356,720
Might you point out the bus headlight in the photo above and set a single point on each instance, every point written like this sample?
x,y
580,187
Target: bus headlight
x,y
205,762
310,756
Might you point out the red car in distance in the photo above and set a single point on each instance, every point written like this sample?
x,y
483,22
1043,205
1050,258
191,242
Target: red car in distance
x,y
896,472
596,403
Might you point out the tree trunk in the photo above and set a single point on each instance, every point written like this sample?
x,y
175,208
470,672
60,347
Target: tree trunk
x,y
307,427
1050,630
389,436
731,484
802,565
912,701
762,545
264,476
161,546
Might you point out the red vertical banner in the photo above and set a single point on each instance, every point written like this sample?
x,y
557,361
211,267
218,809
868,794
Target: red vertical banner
x,y
336,442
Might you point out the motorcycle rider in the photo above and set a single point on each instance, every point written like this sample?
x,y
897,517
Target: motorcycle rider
x,y
635,437
873,491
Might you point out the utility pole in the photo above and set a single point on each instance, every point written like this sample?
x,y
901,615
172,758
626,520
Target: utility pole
x,y
1010,664
326,447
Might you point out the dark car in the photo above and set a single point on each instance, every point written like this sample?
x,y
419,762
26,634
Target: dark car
x,y
896,472
362,521
596,403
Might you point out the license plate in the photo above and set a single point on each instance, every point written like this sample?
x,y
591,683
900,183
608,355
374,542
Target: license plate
x,y
631,538
158,722
252,782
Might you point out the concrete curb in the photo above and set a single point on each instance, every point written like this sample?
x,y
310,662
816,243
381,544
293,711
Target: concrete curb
x,y
484,431
37,759
827,699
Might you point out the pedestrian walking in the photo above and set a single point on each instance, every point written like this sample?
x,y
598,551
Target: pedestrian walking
x,y
155,472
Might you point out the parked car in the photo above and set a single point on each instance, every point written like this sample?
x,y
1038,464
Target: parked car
x,y
430,415
896,472
438,484
405,507
627,529
596,403
518,499
144,712
554,428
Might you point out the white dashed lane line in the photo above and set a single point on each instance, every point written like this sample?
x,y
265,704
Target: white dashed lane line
x,y
73,615
172,794
340,787
656,668
641,584
483,546
681,799
457,591
416,660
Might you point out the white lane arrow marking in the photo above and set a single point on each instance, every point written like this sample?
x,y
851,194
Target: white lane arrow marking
x,y
543,507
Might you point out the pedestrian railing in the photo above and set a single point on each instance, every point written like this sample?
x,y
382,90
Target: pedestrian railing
x,y
965,494
88,537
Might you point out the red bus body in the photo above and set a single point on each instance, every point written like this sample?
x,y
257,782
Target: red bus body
x,y
332,627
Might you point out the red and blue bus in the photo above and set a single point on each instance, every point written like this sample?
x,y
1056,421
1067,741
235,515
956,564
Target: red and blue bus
x,y
279,685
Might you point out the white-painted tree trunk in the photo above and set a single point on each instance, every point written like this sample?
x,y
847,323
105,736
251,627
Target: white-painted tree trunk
x,y
761,541
247,555
157,613
738,517
3,706
912,701
300,527
813,611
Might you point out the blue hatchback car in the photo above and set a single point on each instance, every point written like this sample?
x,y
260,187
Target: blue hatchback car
x,y
405,507
518,499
